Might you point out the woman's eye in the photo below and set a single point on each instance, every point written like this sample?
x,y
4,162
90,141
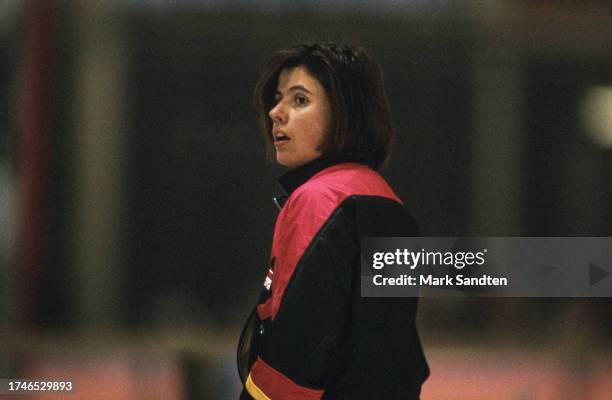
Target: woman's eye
x,y
300,100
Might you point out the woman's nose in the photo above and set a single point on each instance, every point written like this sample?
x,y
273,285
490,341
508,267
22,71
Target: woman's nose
x,y
277,113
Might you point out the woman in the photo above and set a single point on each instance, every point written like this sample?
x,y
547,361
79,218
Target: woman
x,y
324,113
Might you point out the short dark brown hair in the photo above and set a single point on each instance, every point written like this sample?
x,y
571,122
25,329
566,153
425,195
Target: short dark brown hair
x,y
353,81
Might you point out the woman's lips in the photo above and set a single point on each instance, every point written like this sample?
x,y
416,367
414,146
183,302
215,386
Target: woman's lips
x,y
281,142
280,138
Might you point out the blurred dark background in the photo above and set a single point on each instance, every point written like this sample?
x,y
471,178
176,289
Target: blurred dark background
x,y
135,199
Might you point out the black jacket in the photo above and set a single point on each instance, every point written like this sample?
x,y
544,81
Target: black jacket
x,y
312,335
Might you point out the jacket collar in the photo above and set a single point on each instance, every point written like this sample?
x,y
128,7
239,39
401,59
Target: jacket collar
x,y
293,179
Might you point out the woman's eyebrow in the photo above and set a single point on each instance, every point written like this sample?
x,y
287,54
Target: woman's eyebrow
x,y
295,88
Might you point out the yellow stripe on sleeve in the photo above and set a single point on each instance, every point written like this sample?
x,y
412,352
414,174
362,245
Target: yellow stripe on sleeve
x,y
254,390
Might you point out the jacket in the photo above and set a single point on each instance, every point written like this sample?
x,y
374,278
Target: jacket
x,y
312,335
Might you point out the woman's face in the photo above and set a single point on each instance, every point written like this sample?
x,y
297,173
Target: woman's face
x,y
300,118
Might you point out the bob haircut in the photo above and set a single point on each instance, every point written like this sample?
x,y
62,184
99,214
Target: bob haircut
x,y
353,81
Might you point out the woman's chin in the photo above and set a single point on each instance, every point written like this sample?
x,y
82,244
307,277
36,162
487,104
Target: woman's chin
x,y
281,160
286,160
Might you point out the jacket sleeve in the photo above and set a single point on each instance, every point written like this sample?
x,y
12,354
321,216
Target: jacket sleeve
x,y
315,253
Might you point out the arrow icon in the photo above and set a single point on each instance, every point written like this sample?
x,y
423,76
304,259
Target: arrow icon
x,y
596,274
